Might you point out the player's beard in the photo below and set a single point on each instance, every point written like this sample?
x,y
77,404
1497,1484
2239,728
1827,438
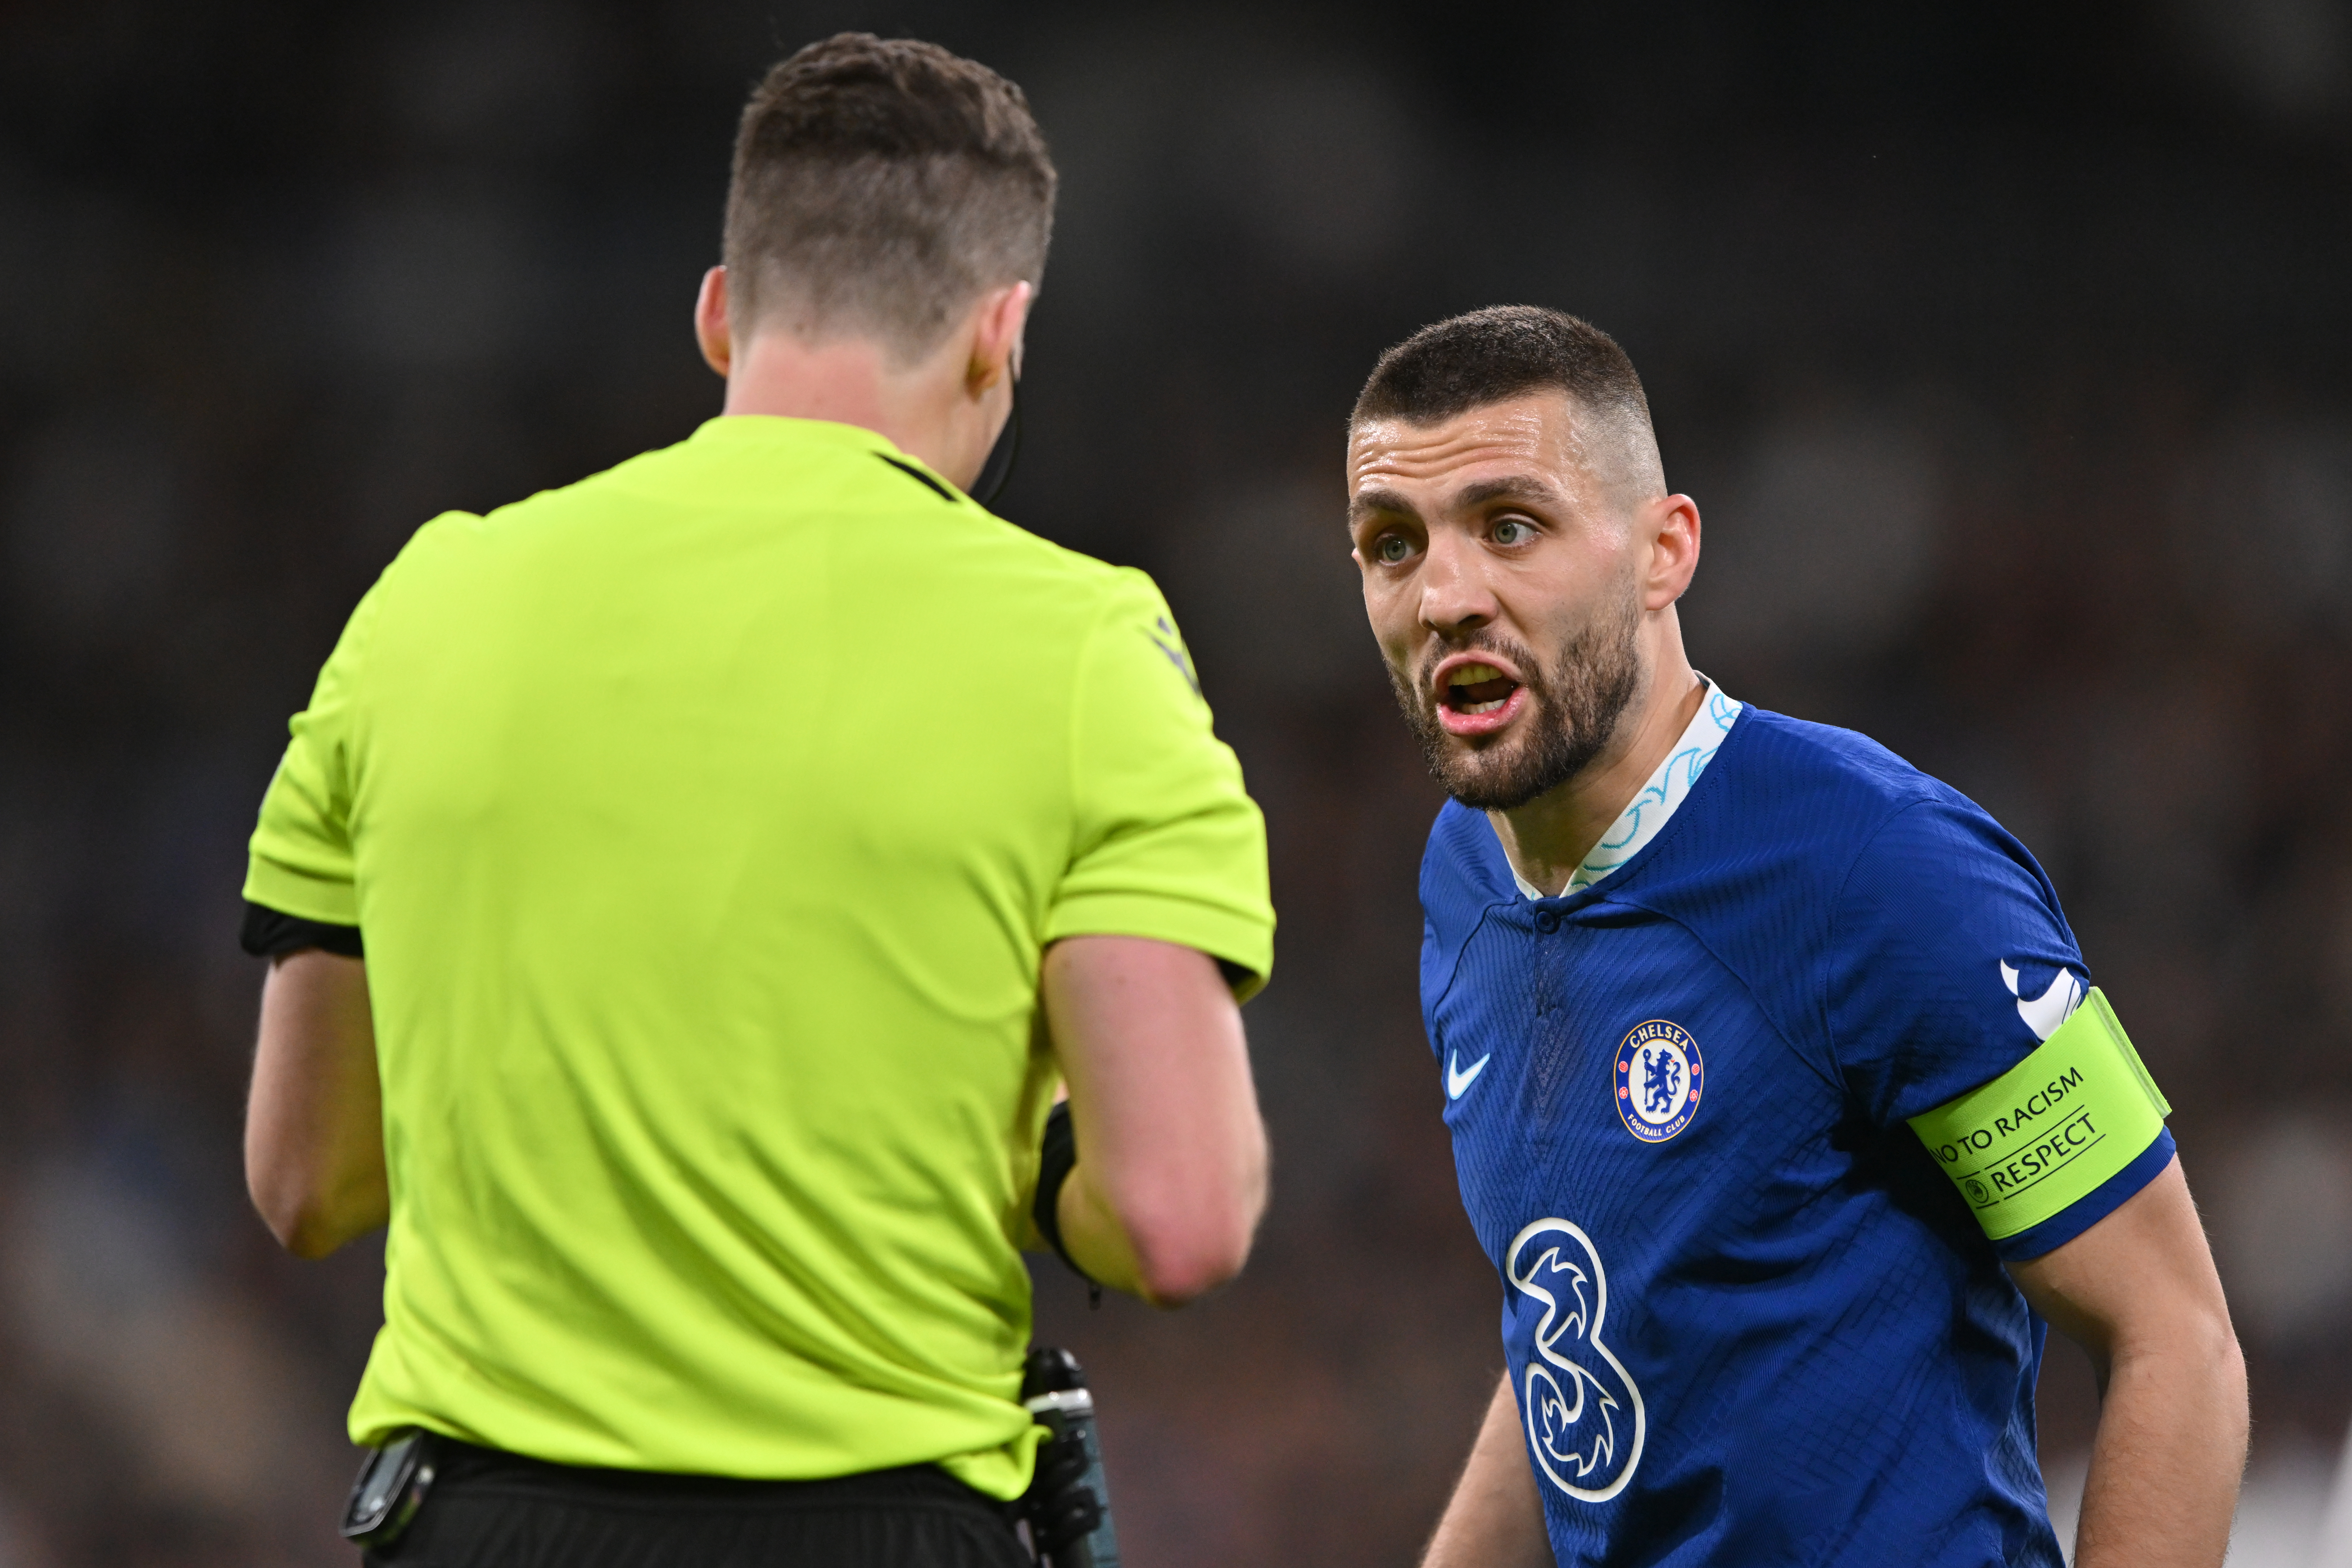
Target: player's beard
x,y
1574,705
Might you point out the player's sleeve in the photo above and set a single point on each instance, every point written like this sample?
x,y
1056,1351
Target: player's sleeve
x,y
299,880
1957,1001
1168,844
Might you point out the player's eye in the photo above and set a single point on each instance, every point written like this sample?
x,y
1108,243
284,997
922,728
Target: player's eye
x,y
1514,531
1391,550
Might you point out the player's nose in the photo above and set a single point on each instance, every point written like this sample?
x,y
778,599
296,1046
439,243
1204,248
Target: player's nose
x,y
1454,595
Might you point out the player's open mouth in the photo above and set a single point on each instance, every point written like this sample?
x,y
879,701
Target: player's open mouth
x,y
1476,696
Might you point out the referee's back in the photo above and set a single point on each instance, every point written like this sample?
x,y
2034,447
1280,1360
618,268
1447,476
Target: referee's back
x,y
705,821
685,889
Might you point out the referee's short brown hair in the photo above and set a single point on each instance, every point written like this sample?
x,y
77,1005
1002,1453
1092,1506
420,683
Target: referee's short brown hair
x,y
880,186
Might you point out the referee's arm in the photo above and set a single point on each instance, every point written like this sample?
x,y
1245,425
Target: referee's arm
x,y
1170,1179
314,1117
1163,1203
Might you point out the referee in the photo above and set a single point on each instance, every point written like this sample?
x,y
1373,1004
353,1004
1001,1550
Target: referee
x,y
686,890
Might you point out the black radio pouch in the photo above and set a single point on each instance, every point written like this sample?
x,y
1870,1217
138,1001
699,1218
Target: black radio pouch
x,y
1060,1506
392,1484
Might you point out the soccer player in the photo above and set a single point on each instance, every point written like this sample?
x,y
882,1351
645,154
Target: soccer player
x,y
1778,1095
685,888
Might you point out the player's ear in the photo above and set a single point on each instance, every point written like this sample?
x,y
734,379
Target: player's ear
x,y
1673,548
710,329
999,321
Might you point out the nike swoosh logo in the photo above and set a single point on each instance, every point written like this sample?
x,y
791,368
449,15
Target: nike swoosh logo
x,y
1457,1080
2054,1006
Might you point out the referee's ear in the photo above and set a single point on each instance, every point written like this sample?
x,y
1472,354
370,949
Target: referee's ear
x,y
710,329
997,324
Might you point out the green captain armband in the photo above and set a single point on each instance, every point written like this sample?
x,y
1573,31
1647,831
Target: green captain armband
x,y
2050,1129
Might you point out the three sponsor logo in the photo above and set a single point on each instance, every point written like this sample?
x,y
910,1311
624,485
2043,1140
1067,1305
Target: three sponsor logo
x,y
1585,1423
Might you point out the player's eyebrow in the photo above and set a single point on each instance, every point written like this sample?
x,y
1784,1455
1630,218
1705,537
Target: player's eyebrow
x,y
1511,487
1373,501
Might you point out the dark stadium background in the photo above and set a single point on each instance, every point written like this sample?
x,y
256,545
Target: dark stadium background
x,y
2004,349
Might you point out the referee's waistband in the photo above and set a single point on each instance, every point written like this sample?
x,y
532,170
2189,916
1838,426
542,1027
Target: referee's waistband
x,y
476,1470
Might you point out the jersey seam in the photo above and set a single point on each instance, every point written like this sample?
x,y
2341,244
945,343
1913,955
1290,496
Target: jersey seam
x,y
1837,902
1078,672
1460,953
362,626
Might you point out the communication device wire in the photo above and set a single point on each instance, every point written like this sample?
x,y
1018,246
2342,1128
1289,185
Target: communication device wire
x,y
999,467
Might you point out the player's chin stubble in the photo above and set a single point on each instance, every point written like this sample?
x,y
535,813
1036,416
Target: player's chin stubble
x,y
1574,705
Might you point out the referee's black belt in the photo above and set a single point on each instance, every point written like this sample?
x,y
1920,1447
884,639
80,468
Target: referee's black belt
x,y
477,1471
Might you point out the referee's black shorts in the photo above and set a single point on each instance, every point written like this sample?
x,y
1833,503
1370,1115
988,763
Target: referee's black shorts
x,y
493,1510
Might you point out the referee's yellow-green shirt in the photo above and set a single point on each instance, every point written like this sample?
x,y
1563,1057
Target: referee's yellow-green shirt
x,y
705,821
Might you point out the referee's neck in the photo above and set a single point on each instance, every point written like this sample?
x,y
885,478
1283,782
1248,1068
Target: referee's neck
x,y
848,380
945,408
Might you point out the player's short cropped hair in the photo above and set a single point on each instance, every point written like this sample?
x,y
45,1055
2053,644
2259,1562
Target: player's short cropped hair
x,y
880,186
1509,351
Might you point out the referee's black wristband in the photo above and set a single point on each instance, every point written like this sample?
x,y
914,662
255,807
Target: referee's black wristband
x,y
1057,1157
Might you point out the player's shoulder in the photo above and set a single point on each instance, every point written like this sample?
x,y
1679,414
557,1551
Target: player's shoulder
x,y
1821,810
1786,759
1813,788
1780,790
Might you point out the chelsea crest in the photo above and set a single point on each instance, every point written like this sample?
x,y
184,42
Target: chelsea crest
x,y
1658,1079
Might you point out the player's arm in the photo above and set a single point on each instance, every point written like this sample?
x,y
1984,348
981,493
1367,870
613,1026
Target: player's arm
x,y
1494,1519
2066,1164
314,1121
1171,1178
2138,1291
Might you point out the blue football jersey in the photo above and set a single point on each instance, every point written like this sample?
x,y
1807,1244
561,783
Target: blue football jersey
x,y
1748,1320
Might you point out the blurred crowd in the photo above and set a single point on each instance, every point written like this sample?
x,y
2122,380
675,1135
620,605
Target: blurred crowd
x,y
2003,348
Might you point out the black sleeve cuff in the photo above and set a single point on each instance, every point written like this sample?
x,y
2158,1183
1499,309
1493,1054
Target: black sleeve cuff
x,y
271,933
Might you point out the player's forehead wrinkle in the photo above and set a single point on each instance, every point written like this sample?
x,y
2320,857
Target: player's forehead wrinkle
x,y
1410,452
1525,449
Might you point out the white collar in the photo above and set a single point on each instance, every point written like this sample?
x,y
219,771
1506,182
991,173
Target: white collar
x,y
1656,800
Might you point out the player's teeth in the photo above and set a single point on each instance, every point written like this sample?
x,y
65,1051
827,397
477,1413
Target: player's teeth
x,y
1482,707
1471,674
